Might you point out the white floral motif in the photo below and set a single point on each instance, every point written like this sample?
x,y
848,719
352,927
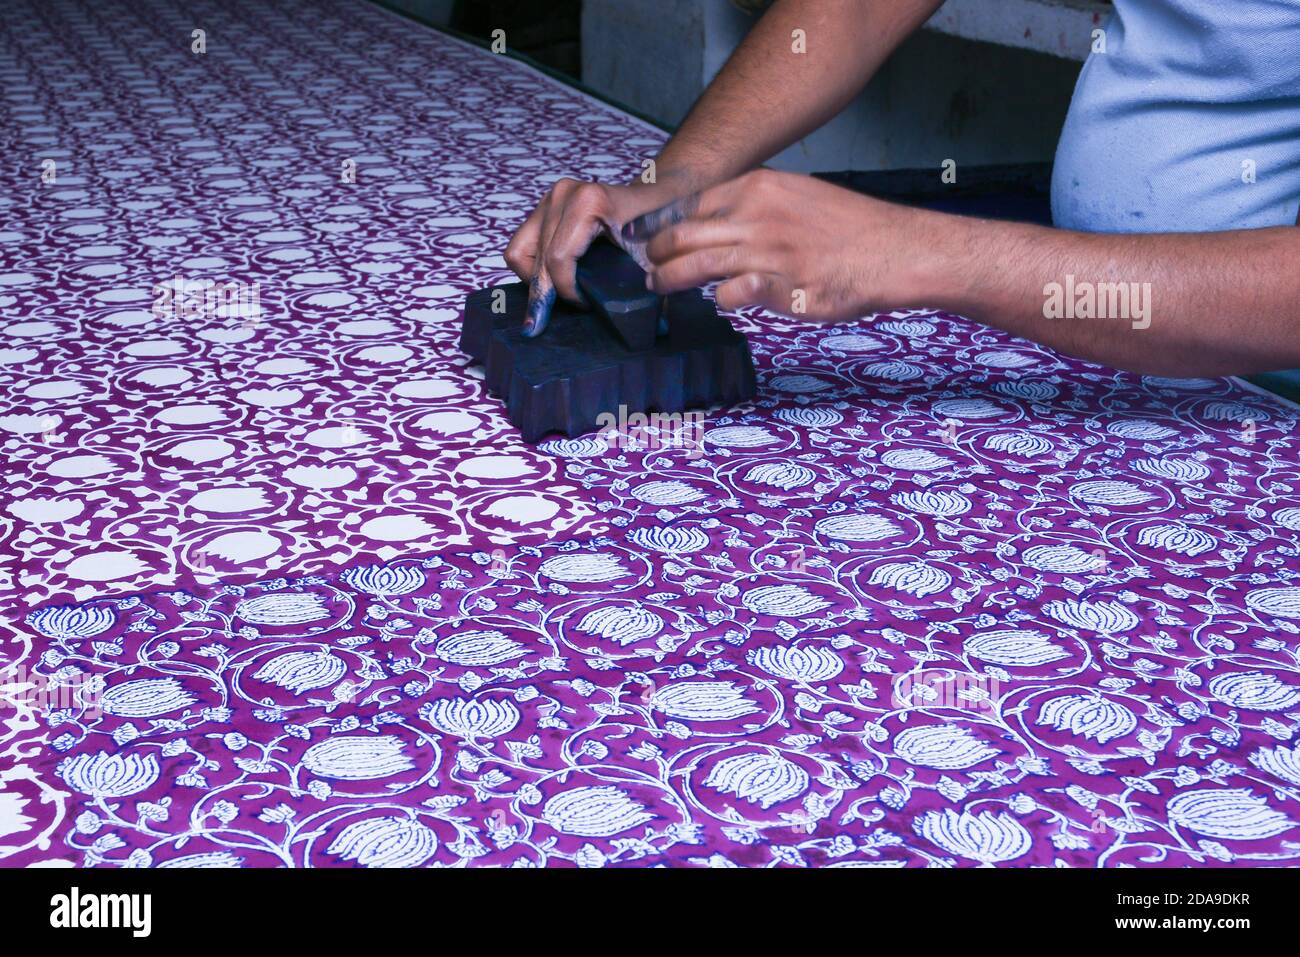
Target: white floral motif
x,y
758,777
594,812
385,842
985,837
110,775
1093,717
1228,814
358,758
301,671
471,718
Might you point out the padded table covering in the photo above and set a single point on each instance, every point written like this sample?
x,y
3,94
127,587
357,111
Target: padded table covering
x,y
938,596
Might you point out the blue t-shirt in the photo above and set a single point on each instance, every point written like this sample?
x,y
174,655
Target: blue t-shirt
x,y
1188,122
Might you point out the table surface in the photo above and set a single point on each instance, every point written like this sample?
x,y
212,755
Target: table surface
x,y
297,596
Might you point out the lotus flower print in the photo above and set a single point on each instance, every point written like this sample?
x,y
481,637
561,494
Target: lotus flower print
x,y
471,718
583,567
283,608
358,757
624,624
916,578
1275,602
301,671
808,663
985,837
385,842
786,601
477,648
1106,617
1255,690
703,701
594,812
146,698
944,746
1229,814
1014,649
385,579
761,778
1092,717
110,775
72,622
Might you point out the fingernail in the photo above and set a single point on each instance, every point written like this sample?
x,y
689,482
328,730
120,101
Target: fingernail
x,y
644,226
647,225
540,301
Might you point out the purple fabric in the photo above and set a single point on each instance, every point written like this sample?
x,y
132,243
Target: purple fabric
x,y
938,596
331,420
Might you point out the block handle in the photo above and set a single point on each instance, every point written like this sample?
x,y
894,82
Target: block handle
x,y
615,287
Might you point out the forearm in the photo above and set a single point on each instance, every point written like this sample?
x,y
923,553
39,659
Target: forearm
x,y
1164,304
767,96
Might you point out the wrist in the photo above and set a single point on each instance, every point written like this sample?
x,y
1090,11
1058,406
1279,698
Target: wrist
x,y
953,252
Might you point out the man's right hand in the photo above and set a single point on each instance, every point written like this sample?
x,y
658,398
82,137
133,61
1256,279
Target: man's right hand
x,y
544,251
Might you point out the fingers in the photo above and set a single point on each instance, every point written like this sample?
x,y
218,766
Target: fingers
x,y
690,241
521,251
692,236
583,216
749,289
646,226
707,204
541,291
696,269
547,246
541,299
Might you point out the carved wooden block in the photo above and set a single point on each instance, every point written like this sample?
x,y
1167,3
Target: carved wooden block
x,y
580,368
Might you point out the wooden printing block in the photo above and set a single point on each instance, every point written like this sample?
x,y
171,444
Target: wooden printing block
x,y
580,368
614,284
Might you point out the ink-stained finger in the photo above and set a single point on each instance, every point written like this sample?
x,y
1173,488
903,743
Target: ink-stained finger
x,y
644,227
541,299
541,290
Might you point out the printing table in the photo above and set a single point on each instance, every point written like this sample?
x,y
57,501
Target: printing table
x,y
285,589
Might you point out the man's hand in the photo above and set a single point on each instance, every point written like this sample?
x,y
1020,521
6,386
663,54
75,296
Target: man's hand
x,y
545,249
768,95
788,243
1208,303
